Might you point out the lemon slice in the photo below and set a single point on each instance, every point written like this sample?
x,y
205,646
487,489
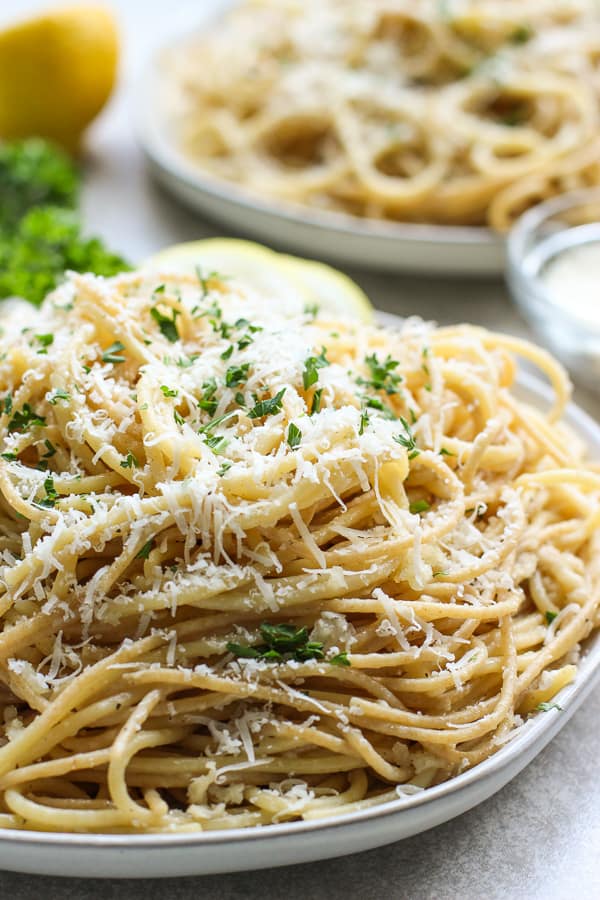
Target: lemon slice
x,y
271,273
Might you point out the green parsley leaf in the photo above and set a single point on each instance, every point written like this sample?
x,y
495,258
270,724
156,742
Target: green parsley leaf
x,y
294,436
144,553
236,375
50,448
311,366
208,401
340,660
267,407
216,442
383,377
550,616
59,394
9,456
224,467
228,353
46,340
315,406
545,706
51,493
281,642
111,355
243,650
7,404
129,462
24,419
206,429
444,452
419,506
167,391
178,418
167,325
521,35
407,440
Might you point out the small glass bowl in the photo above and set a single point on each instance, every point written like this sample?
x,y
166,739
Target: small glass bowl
x,y
567,324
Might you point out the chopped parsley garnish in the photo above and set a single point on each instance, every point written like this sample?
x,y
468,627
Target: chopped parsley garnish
x,y
312,365
312,310
521,35
112,354
59,394
419,506
46,340
178,418
185,362
550,616
216,442
50,448
224,467
51,493
245,341
25,418
7,404
407,439
267,407
144,553
364,421
228,353
236,375
160,289
294,436
9,456
376,403
383,377
130,461
167,325
206,429
281,643
205,279
545,706
340,660
315,406
167,391
445,452
208,401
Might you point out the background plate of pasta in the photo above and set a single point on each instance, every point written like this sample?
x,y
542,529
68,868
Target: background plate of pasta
x,y
394,134
276,586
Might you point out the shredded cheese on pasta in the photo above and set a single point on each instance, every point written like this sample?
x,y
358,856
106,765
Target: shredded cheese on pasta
x,y
259,566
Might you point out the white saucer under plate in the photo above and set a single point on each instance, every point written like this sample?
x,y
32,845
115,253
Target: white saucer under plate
x,y
369,243
156,855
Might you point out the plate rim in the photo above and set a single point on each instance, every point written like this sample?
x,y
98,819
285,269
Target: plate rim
x,y
537,733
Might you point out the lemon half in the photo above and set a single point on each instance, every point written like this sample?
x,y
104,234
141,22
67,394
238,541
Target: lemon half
x,y
56,73
271,273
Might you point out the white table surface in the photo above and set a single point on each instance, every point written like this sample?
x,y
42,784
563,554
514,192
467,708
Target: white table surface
x,y
540,836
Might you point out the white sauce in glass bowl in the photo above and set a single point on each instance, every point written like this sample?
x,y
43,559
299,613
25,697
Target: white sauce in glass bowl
x,y
572,280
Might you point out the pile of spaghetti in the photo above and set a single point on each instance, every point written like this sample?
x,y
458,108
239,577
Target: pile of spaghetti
x,y
258,565
457,112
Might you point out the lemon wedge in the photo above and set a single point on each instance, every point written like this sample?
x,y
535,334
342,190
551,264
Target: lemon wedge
x,y
56,73
269,272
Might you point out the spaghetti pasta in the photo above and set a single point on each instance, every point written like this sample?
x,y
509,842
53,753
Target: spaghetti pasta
x,y
462,112
260,566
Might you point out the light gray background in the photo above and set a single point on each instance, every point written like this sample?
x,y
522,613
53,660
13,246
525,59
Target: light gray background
x,y
539,838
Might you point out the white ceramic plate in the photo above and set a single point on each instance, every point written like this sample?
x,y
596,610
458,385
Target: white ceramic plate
x,y
152,856
431,249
